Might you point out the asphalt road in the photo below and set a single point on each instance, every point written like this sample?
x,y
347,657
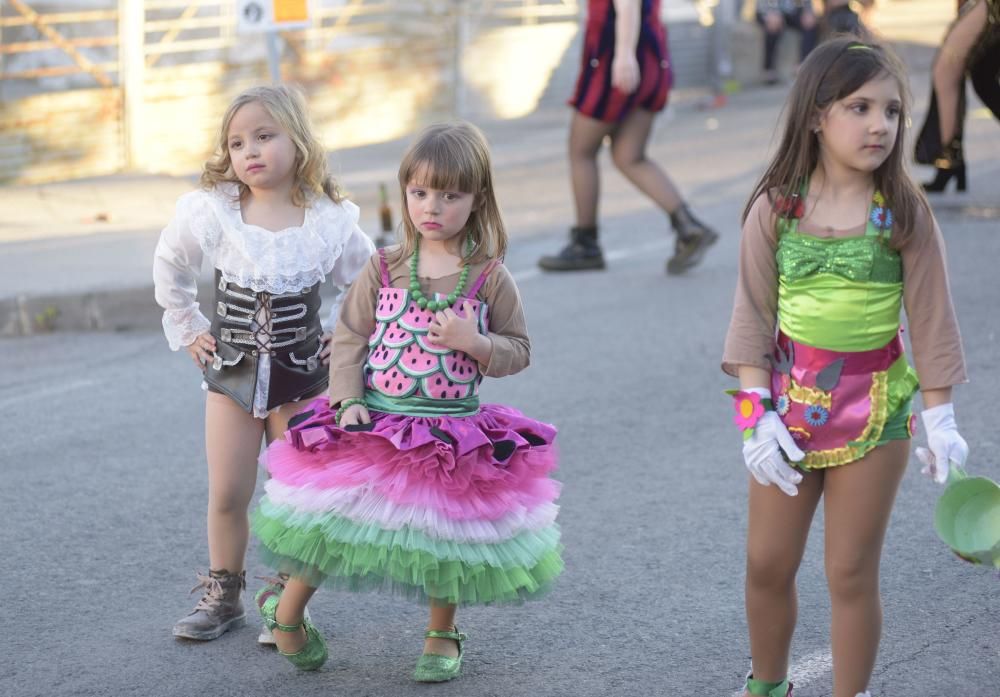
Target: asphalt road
x,y
104,491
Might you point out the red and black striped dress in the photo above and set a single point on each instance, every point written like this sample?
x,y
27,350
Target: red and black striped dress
x,y
594,95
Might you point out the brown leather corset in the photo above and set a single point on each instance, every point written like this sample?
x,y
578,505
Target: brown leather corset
x,y
247,324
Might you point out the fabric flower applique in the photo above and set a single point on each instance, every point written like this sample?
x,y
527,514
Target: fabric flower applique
x,y
789,206
881,217
748,408
816,415
782,404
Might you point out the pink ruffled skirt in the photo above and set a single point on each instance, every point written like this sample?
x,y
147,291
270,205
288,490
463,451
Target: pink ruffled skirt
x,y
451,509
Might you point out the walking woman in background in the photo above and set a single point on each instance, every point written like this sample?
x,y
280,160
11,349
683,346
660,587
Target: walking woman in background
x,y
624,81
972,45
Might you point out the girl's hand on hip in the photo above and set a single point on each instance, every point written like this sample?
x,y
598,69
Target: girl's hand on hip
x,y
327,341
354,415
454,332
944,443
762,454
625,72
202,350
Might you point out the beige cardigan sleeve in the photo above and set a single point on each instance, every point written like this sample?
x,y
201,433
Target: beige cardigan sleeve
x,y
355,324
508,331
750,338
930,313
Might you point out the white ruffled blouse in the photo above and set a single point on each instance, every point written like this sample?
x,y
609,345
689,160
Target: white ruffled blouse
x,y
210,224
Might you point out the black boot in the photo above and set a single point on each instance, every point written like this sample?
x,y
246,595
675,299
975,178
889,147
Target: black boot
x,y
948,164
693,240
580,254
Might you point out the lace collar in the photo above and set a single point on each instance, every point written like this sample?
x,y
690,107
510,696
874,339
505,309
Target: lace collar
x,y
263,260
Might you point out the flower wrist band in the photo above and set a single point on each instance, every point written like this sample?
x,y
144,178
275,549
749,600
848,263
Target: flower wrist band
x,y
749,407
345,405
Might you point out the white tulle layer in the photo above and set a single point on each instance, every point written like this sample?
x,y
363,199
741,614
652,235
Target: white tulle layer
x,y
365,506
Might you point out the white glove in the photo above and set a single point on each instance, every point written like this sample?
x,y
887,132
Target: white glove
x,y
762,451
945,443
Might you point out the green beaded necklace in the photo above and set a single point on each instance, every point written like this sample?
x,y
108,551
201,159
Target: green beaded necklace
x,y
418,295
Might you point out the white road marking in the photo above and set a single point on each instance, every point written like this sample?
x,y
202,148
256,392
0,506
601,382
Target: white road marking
x,y
30,394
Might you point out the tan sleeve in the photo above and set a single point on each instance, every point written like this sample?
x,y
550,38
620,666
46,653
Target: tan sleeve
x,y
350,337
751,328
508,332
930,313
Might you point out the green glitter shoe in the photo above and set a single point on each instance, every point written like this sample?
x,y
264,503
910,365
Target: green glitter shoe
x,y
768,689
313,653
433,667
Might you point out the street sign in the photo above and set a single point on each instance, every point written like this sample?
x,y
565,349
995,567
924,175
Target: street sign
x,y
257,16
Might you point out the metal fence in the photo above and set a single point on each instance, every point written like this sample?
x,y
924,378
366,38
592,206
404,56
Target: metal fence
x,y
125,84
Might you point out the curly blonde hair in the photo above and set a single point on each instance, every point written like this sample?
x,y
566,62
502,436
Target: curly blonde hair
x,y
456,157
287,106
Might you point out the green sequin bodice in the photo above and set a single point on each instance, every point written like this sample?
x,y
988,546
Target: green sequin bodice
x,y
840,293
863,258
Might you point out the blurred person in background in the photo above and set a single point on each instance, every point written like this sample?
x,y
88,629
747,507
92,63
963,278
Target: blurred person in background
x,y
971,46
777,15
846,16
625,77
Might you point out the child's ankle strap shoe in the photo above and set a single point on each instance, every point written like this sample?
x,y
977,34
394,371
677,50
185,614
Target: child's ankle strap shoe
x,y
759,688
432,667
313,653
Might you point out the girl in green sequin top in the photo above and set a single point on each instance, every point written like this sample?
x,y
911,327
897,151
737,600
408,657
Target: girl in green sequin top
x,y
837,240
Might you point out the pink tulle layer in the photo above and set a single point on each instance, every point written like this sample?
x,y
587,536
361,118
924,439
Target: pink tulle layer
x,y
478,467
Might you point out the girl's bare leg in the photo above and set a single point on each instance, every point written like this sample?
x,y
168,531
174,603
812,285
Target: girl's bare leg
x,y
628,151
277,421
232,444
949,67
585,138
292,605
776,539
442,619
858,502
290,610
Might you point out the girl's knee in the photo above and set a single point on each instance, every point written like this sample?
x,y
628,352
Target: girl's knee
x,y
625,160
770,570
229,503
851,579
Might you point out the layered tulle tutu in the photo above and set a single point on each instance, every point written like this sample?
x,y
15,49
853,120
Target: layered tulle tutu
x,y
455,509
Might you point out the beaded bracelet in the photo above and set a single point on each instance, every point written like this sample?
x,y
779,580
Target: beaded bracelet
x,y
750,407
350,402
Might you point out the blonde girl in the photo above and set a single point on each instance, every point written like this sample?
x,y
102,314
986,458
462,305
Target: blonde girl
x,y
273,225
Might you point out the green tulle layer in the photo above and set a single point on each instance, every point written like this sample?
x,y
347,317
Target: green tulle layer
x,y
308,554
521,550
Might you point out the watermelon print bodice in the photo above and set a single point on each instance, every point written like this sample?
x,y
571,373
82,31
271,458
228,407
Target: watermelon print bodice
x,y
403,362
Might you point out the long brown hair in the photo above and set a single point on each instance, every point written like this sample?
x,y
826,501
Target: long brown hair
x,y
833,71
455,156
287,106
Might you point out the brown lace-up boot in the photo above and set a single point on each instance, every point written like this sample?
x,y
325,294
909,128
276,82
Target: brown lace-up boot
x,y
693,239
219,610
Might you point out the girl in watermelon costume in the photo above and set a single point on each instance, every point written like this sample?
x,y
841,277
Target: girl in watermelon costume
x,y
836,240
402,480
